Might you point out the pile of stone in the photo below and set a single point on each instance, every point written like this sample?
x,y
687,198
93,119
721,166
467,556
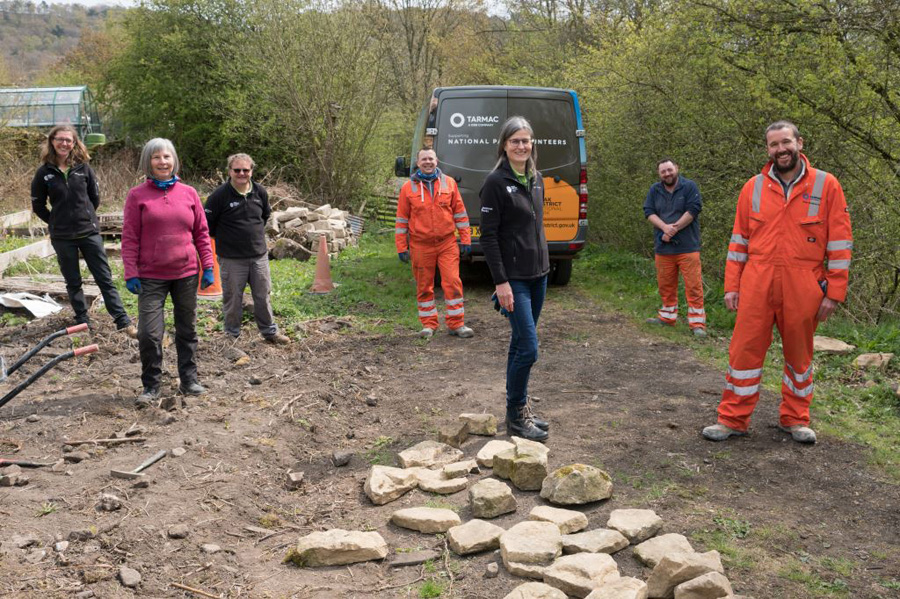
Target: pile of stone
x,y
295,232
552,545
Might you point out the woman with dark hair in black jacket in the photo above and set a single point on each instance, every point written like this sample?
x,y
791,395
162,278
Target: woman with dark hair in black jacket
x,y
515,248
65,179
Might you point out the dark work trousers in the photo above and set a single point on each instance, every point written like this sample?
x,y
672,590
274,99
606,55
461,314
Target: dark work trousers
x,y
91,247
236,274
151,327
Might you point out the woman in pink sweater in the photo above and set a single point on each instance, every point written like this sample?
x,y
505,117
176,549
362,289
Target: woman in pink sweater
x,y
163,233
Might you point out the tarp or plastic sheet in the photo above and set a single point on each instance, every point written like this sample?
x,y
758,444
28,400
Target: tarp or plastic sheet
x,y
37,305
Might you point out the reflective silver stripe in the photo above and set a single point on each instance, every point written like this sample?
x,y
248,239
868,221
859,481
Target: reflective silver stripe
x,y
838,265
456,312
738,239
696,311
742,391
669,309
741,375
432,312
816,196
400,231
443,181
843,244
462,225
801,377
453,302
402,220
461,215
737,256
697,319
798,392
757,193
426,304
414,188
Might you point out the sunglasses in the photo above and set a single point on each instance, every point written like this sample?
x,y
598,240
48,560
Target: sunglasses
x,y
242,170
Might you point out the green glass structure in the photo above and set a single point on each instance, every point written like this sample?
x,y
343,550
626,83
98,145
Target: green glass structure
x,y
44,107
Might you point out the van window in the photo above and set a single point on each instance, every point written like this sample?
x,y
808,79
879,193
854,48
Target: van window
x,y
469,129
554,130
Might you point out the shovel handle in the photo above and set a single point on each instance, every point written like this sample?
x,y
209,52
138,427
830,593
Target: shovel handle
x,y
76,328
88,349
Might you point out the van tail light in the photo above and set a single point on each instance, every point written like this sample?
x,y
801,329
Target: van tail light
x,y
582,194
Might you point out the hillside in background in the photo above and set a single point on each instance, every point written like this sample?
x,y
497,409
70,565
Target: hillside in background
x,y
34,36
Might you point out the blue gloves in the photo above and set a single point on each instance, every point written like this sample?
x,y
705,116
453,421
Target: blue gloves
x,y
404,257
207,279
465,249
503,311
133,285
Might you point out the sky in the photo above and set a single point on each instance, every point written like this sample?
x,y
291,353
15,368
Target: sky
x,y
96,2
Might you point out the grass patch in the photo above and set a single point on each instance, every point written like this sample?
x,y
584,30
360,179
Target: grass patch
x,y
854,405
379,454
442,504
10,243
815,584
726,538
430,589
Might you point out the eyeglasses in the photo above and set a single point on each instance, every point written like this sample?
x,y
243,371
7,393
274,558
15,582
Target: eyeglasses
x,y
63,140
519,142
241,170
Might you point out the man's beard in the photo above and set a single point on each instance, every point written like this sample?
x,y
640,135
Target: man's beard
x,y
795,156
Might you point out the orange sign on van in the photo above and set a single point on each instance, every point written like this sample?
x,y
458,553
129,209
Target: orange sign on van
x,y
560,210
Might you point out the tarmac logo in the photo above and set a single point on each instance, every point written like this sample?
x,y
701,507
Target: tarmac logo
x,y
457,120
48,177
511,189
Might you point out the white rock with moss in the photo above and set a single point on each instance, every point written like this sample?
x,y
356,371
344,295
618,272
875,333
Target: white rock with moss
x,y
576,484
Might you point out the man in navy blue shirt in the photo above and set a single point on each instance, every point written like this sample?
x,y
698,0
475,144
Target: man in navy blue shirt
x,y
672,207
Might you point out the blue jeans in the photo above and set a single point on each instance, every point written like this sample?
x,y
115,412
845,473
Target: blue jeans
x,y
528,299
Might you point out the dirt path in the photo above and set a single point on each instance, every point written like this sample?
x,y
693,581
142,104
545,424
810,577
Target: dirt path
x,y
791,521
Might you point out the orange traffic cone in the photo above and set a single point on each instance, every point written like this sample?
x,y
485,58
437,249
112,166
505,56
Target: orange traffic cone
x,y
323,283
214,291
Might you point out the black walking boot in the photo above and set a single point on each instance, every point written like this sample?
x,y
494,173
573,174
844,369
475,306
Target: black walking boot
x,y
520,425
537,420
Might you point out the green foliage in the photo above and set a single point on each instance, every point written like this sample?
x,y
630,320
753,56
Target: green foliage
x,y
430,589
379,453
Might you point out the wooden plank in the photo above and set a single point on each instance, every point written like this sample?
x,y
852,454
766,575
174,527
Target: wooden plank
x,y
15,219
18,284
40,249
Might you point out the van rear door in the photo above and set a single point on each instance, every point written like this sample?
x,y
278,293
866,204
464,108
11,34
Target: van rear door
x,y
552,114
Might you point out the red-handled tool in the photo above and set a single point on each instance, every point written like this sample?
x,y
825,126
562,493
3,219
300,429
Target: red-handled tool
x,y
81,351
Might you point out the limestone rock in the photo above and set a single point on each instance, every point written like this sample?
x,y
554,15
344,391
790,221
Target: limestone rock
x,y
532,448
537,543
568,521
502,463
337,547
622,588
872,360
429,454
827,345
288,248
474,536
535,571
672,570
25,541
490,498
434,481
414,558
179,531
461,469
636,525
480,424
385,484
653,550
711,585
109,503
485,456
535,590
492,570
426,519
576,484
581,573
129,577
210,548
454,434
600,540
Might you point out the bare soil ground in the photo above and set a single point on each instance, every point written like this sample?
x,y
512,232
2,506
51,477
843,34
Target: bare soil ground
x,y
792,521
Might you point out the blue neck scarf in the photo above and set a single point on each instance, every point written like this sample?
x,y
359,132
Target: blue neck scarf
x,y
423,177
164,185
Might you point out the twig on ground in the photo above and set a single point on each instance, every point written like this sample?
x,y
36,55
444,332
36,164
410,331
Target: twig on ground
x,y
107,441
184,587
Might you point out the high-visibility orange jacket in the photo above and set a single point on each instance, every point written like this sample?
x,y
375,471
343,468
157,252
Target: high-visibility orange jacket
x,y
426,219
812,227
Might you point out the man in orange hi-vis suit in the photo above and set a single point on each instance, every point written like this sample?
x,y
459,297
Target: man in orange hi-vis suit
x,y
430,211
788,265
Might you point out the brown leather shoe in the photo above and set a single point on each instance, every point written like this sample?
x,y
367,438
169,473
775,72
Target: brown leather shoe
x,y
278,339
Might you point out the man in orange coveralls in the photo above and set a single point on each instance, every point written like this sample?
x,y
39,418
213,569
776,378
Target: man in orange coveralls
x,y
788,264
430,211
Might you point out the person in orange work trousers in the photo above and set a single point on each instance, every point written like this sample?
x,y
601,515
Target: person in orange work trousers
x,y
430,211
788,264
673,206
